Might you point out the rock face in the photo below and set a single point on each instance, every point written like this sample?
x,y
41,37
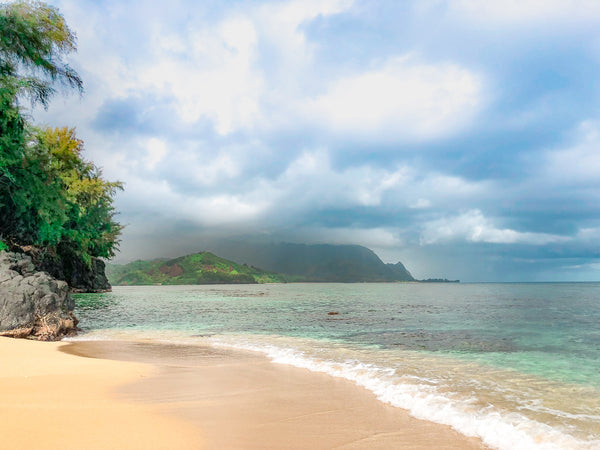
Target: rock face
x,y
74,271
33,304
84,279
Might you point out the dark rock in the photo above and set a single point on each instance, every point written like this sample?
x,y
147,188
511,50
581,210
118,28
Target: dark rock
x,y
33,304
88,279
67,267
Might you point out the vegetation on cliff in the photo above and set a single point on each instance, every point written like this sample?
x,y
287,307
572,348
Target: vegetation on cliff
x,y
293,262
199,268
51,199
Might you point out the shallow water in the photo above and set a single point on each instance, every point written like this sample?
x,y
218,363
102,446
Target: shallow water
x,y
515,364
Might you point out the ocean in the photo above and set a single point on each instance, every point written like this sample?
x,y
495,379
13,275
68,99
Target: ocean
x,y
517,365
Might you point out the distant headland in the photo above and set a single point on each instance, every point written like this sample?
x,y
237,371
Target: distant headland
x,y
265,263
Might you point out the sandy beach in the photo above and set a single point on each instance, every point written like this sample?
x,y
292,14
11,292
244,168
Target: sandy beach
x,y
52,400
144,395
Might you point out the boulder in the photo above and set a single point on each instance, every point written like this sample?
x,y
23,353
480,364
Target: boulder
x,y
33,304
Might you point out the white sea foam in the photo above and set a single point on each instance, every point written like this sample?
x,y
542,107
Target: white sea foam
x,y
89,337
420,395
107,334
497,428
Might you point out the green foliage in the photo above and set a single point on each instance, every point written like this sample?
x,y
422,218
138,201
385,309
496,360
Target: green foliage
x,y
34,40
3,246
59,200
199,268
50,197
84,200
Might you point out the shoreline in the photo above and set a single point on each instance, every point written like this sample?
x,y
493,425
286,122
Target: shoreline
x,y
240,399
128,394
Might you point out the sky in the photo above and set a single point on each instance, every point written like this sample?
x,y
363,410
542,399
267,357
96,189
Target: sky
x,y
460,137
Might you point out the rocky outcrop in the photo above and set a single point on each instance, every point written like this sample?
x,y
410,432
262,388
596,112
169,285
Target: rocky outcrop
x,y
64,265
79,276
33,304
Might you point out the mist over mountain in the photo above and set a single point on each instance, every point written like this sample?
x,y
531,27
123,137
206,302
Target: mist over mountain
x,y
320,262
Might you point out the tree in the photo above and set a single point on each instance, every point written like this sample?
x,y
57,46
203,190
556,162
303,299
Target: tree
x,y
50,197
75,202
34,41
12,136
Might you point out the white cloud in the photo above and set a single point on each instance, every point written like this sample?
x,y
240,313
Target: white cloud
x,y
211,70
216,72
156,151
294,13
442,187
589,235
311,181
226,209
587,266
472,226
197,171
281,25
216,170
215,78
421,203
578,163
402,98
526,11
152,198
190,164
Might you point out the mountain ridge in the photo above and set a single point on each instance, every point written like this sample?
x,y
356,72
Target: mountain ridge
x,y
197,268
279,262
315,262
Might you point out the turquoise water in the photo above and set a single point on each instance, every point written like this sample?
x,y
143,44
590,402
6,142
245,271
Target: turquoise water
x,y
515,364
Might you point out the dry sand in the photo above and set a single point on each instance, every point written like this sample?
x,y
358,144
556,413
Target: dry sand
x,y
51,400
190,397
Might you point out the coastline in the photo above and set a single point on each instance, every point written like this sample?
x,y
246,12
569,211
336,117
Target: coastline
x,y
117,394
240,399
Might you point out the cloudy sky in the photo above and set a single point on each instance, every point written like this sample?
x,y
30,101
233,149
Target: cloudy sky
x,y
458,136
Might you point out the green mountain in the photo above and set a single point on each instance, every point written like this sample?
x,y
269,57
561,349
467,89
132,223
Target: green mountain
x,y
324,262
199,268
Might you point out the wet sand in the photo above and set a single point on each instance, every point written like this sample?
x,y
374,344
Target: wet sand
x,y
240,400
